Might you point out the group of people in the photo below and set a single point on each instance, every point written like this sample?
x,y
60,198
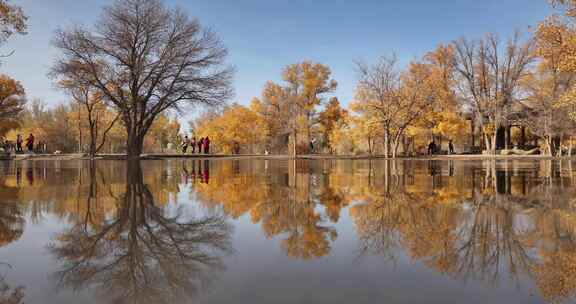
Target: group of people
x,y
200,172
20,144
433,148
203,145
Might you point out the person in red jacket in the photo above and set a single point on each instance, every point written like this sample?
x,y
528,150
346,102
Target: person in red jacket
x,y
30,143
206,145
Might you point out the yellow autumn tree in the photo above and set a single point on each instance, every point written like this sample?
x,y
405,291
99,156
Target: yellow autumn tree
x,y
306,83
236,127
12,99
443,118
163,131
329,119
556,41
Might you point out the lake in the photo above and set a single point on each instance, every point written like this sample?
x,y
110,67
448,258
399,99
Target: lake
x,y
284,231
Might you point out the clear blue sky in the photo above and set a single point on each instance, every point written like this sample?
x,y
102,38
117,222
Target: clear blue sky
x,y
265,35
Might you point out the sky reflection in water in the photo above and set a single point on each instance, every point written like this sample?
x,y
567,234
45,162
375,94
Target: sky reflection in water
x,y
279,231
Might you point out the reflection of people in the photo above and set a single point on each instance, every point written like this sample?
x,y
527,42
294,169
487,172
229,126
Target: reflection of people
x,y
185,174
30,176
206,172
193,171
18,176
433,167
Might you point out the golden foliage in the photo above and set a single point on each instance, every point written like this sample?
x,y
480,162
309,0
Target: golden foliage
x,y
236,126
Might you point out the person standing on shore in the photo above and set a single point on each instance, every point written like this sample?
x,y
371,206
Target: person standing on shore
x,y
450,147
19,143
207,145
30,143
185,143
431,148
193,145
200,145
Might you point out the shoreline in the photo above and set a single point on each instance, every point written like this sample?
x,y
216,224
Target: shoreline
x,y
22,157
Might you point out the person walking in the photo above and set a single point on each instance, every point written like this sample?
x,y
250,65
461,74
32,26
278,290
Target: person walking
x,y
206,145
450,147
185,143
200,145
19,143
30,143
193,145
431,148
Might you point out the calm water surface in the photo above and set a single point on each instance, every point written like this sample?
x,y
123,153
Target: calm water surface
x,y
279,231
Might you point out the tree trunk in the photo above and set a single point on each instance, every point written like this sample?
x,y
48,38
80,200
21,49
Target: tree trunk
x,y
522,137
93,139
386,144
493,147
370,145
548,146
79,131
294,151
487,145
395,148
134,144
472,140
560,147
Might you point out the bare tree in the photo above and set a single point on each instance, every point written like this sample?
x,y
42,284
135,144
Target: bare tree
x,y
145,59
490,75
90,100
395,102
544,88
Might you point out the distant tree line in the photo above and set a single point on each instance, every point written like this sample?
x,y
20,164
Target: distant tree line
x,y
483,94
143,62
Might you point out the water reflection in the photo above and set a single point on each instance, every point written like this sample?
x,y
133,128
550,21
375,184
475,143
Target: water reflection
x,y
283,203
159,231
140,253
490,223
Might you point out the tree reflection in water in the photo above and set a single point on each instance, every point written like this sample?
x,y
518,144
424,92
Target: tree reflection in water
x,y
497,229
9,294
282,202
493,222
11,229
141,253
488,223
